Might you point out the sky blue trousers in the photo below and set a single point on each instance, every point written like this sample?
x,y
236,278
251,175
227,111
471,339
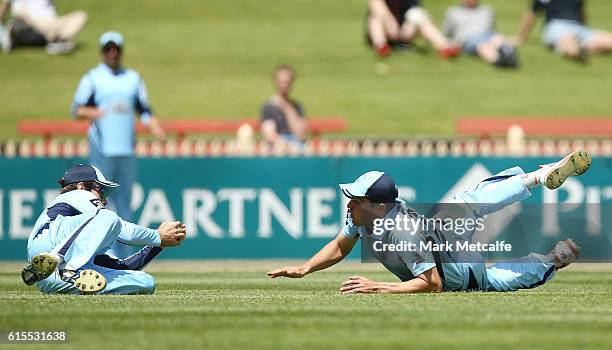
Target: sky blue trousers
x,y
123,171
489,196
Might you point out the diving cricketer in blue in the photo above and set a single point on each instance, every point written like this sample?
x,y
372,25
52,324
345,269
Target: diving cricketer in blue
x,y
109,96
374,196
67,249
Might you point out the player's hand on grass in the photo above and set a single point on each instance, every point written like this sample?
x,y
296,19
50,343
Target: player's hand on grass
x,y
171,233
289,271
358,284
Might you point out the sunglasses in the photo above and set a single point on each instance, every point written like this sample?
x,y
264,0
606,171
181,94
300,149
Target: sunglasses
x,y
102,190
111,46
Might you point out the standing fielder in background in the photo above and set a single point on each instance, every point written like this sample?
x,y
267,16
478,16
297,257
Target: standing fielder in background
x,y
374,195
108,97
66,249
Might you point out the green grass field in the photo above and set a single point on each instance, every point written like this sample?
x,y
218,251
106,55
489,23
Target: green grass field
x,y
234,306
213,59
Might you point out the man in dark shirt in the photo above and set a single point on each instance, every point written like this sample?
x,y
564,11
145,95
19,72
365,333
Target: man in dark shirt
x,y
401,21
565,29
282,119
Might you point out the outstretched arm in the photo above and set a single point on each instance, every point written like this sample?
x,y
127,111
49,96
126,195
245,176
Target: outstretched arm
x,y
4,7
427,282
329,255
167,234
525,27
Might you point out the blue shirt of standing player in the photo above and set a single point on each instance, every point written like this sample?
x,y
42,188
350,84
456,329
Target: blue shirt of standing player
x,y
108,96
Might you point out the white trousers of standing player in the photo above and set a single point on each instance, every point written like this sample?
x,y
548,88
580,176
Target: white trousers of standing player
x,y
79,239
489,196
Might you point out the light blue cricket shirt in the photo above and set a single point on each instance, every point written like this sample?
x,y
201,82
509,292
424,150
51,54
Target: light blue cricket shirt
x,y
120,95
406,265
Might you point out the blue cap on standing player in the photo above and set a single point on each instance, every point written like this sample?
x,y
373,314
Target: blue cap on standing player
x,y
111,37
376,186
85,172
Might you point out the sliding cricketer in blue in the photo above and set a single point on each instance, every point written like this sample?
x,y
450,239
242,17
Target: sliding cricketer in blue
x,y
67,246
374,196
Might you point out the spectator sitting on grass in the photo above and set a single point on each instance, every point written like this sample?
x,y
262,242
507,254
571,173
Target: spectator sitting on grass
x,y
473,25
565,30
41,16
392,22
18,34
282,119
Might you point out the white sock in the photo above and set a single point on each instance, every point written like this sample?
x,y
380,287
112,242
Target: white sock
x,y
531,180
547,259
60,259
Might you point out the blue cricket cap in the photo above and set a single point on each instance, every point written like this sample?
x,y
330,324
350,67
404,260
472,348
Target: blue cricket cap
x,y
85,172
376,186
111,37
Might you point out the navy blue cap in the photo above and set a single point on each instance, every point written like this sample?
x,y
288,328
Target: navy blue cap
x,y
376,186
85,172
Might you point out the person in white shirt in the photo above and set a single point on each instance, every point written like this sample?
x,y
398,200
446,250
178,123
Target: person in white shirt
x,y
41,15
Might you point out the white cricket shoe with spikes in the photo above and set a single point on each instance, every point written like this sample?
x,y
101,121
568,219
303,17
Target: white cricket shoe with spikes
x,y
554,175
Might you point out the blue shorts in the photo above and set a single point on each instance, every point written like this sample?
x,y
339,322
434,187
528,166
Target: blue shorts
x,y
292,140
471,45
556,29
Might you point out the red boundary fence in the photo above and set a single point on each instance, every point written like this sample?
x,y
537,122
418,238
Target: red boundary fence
x,y
541,126
181,128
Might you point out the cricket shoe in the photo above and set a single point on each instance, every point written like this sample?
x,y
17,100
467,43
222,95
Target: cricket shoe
x,y
60,47
384,51
507,57
449,52
554,175
40,267
87,281
564,253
